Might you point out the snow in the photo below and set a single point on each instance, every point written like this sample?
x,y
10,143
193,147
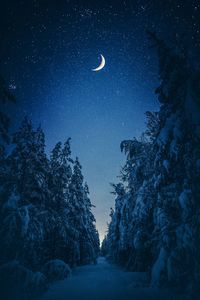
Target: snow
x,y
12,201
107,282
159,267
56,269
23,281
184,199
24,214
164,134
166,164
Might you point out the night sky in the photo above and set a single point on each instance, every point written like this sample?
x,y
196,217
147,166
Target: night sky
x,y
47,51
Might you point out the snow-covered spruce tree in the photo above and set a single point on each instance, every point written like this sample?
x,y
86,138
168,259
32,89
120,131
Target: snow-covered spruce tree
x,y
59,240
161,217
24,210
46,213
130,230
93,244
39,207
75,211
116,231
60,175
138,172
85,248
12,274
177,171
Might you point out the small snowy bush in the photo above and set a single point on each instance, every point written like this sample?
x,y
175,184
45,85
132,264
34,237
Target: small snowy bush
x,y
38,283
56,270
18,281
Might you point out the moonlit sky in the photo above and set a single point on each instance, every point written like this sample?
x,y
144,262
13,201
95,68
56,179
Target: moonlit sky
x,y
48,49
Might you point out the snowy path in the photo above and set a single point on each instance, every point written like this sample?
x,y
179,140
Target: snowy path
x,y
104,281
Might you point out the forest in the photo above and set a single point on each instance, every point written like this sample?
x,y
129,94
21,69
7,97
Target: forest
x,y
46,223
47,226
155,224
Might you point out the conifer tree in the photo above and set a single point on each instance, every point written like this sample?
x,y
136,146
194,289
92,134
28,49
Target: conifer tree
x,y
27,194
157,219
177,151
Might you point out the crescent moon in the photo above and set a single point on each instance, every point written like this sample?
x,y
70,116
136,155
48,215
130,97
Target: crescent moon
x,y
102,64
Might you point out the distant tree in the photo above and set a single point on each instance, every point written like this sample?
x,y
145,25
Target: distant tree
x,y
104,247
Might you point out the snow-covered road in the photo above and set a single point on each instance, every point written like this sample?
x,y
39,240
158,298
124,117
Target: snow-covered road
x,y
107,282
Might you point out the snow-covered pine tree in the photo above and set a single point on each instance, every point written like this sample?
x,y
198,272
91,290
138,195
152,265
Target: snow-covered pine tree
x,y
139,206
162,175
46,213
24,212
117,230
131,222
177,171
60,175
29,165
60,241
92,233
75,211
46,218
80,218
109,239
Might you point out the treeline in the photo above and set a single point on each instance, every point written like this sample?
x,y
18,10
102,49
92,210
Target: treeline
x,y
155,226
45,209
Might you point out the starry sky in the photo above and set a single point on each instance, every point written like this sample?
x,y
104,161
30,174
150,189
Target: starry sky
x,y
47,51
